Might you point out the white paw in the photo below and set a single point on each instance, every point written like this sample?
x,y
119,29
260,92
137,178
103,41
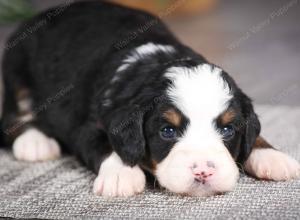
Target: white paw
x,y
271,164
117,179
33,145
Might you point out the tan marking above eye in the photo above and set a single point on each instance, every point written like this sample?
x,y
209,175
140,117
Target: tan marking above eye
x,y
173,117
227,117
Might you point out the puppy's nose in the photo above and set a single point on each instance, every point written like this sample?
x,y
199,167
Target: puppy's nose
x,y
202,171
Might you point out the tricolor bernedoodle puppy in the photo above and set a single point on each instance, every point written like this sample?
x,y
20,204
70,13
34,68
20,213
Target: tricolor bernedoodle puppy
x,y
127,100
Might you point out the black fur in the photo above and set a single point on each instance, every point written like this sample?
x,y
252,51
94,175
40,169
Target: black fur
x,y
81,49
246,123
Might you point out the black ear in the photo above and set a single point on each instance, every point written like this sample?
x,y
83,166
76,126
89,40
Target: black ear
x,y
125,132
250,127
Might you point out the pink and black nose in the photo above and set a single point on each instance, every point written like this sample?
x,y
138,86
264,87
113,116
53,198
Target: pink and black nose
x,y
203,171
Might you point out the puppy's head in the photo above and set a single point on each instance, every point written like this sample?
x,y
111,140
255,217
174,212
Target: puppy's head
x,y
193,137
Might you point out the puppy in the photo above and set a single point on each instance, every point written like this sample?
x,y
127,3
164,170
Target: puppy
x,y
90,80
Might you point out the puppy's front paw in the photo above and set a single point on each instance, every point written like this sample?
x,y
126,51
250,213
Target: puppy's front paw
x,y
271,164
117,179
33,145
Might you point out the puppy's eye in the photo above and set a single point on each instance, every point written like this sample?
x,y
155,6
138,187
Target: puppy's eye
x,y
168,133
227,132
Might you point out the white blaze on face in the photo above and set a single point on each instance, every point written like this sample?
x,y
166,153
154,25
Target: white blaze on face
x,y
199,163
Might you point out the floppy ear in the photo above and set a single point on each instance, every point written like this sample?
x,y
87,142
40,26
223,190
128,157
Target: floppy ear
x,y
251,128
125,132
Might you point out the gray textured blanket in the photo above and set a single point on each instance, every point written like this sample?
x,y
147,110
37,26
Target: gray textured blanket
x,y
62,189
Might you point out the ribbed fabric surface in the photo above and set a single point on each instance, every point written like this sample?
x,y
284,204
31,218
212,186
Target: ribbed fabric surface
x,y
62,189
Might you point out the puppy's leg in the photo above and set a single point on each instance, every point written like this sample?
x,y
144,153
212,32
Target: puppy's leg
x,y
19,123
115,178
265,162
33,145
118,179
20,126
29,143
